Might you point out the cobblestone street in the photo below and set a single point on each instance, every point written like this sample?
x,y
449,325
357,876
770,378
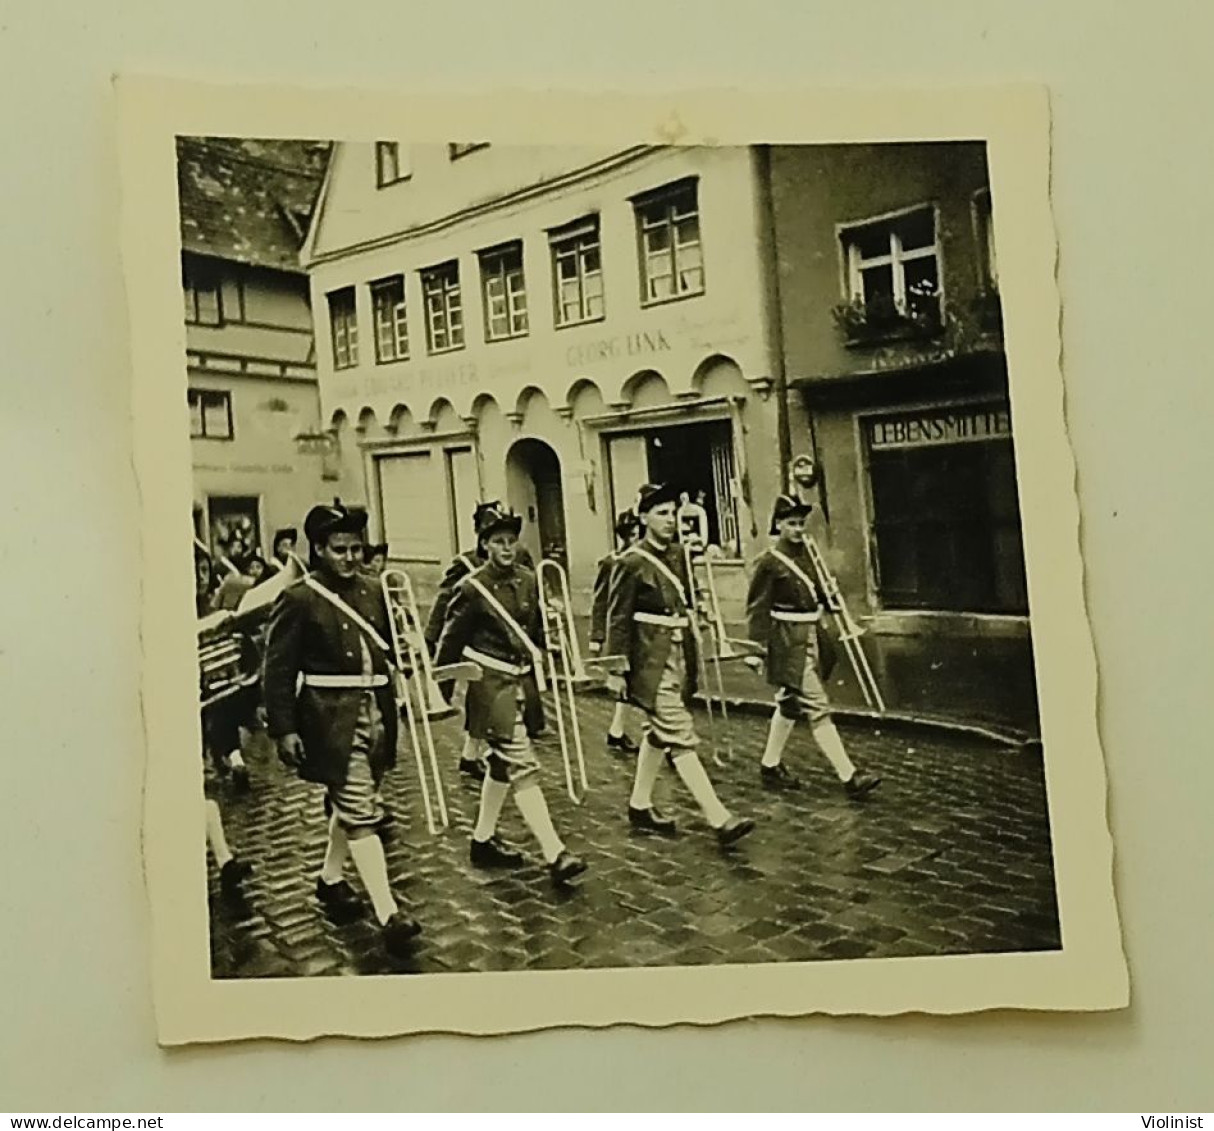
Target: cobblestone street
x,y
951,855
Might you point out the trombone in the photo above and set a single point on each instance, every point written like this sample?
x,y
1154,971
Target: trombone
x,y
417,689
706,604
849,631
560,634
711,617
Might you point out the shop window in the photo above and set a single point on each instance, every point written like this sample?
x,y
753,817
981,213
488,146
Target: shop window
x,y
210,414
201,285
391,327
696,458
893,275
672,260
505,294
444,308
390,164
945,513
234,525
577,273
343,324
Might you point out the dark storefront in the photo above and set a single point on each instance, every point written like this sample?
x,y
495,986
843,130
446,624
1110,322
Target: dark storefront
x,y
944,511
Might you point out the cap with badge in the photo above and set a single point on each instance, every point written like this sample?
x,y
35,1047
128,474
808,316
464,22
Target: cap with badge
x,y
654,495
626,522
491,517
325,520
787,507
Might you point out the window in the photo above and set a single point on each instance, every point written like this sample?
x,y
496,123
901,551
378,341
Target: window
x,y
672,261
578,273
389,169
458,149
200,284
391,329
210,414
504,292
444,312
984,230
893,267
343,321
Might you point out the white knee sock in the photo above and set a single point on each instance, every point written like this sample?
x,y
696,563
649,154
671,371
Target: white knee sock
x,y
336,852
493,797
372,867
689,767
215,837
777,736
829,742
619,720
649,765
533,807
235,759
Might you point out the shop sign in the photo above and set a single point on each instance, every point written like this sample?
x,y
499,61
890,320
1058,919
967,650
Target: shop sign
x,y
928,427
640,344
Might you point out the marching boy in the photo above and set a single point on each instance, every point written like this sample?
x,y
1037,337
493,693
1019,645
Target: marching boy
x,y
649,625
783,611
494,620
329,636
627,531
472,756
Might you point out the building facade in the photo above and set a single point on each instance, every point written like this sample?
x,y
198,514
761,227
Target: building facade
x,y
260,454
549,326
892,331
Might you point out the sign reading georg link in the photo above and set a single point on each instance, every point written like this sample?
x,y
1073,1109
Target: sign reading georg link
x,y
939,426
639,344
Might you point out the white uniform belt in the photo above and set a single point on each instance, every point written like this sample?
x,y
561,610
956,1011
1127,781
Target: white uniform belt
x,y
494,664
664,619
311,679
796,618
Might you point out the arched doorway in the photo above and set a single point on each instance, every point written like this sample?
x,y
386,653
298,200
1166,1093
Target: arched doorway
x,y
533,486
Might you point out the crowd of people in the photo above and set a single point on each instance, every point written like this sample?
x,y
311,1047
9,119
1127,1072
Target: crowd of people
x,y
323,680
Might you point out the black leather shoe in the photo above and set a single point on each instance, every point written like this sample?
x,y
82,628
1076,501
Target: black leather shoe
x,y
734,830
339,900
566,867
860,785
233,875
240,779
492,853
473,768
651,821
398,934
778,777
621,743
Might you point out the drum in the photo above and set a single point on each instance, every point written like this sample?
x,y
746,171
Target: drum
x,y
224,664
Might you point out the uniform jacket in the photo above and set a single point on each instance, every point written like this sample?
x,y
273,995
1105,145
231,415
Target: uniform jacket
x,y
598,601
773,586
491,702
461,565
637,585
309,635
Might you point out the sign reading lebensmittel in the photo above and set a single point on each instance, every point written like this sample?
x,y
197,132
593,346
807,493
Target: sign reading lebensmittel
x,y
929,427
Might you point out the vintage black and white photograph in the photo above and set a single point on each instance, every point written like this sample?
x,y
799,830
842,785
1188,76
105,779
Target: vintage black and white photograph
x,y
605,557
695,467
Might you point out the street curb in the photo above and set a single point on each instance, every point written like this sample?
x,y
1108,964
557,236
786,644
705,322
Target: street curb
x,y
1009,738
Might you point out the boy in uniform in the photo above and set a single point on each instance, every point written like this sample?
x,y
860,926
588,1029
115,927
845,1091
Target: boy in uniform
x,y
494,620
472,756
627,531
328,636
649,625
783,611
